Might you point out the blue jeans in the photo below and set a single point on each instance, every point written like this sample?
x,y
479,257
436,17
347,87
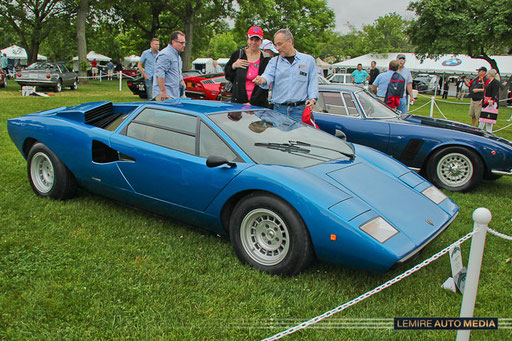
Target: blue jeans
x,y
403,105
149,88
293,112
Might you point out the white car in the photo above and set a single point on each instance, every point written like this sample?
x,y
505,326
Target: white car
x,y
343,78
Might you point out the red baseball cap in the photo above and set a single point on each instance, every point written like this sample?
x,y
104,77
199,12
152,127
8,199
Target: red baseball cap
x,y
255,31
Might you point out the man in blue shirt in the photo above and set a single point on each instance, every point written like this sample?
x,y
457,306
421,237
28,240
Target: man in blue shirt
x,y
359,75
380,84
148,60
4,65
408,84
293,77
168,77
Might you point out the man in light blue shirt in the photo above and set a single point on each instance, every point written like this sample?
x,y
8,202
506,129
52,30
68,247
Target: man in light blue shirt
x,y
359,75
146,65
380,84
168,77
406,73
4,65
293,77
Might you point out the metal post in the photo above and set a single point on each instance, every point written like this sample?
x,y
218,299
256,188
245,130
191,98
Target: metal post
x,y
432,102
120,80
482,216
100,75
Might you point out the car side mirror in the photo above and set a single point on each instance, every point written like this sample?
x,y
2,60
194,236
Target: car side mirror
x,y
341,135
217,160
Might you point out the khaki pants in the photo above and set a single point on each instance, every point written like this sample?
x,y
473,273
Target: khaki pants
x,y
475,108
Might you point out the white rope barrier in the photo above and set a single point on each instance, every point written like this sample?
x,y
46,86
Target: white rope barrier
x,y
369,293
498,234
410,111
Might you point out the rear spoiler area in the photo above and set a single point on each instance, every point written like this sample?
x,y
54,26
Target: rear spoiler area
x,y
95,113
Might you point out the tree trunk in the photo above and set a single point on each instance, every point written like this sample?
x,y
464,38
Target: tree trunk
x,y
189,34
81,42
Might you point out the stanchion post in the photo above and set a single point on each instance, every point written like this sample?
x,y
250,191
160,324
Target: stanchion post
x,y
432,102
100,75
120,80
482,216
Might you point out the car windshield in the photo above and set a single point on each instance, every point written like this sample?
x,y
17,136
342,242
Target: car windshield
x,y
269,137
41,65
374,108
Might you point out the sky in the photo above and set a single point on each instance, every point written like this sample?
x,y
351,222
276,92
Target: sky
x,y
364,12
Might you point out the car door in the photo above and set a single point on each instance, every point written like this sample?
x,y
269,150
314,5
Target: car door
x,y
340,110
168,153
68,78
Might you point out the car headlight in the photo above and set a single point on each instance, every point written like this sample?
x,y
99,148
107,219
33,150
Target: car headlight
x,y
434,194
379,229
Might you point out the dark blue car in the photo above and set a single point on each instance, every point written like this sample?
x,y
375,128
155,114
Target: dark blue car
x,y
451,155
285,193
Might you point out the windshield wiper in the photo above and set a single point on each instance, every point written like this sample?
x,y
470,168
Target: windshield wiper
x,y
305,144
284,147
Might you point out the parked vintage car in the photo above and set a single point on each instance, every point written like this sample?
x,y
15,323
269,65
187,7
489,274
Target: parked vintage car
x,y
204,86
452,155
343,78
48,75
138,87
283,191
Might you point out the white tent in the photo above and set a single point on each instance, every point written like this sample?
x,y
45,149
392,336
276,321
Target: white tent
x,y
96,56
222,61
453,64
131,59
18,52
203,64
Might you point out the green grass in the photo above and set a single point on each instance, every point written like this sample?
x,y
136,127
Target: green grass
x,y
90,268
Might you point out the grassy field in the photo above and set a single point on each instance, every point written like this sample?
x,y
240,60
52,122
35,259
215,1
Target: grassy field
x,y
90,268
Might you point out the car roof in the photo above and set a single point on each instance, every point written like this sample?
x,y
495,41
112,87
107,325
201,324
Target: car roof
x,y
340,87
202,106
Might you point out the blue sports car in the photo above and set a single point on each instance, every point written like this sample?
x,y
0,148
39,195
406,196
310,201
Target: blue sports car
x,y
451,155
284,192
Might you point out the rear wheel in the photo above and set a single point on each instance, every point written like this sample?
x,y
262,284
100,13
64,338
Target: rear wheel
x,y
268,234
457,169
48,176
75,85
58,87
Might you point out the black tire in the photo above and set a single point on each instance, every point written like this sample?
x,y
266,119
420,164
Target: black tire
x,y
48,176
58,87
268,234
457,169
74,86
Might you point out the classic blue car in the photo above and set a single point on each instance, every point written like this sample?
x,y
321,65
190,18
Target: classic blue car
x,y
451,155
283,191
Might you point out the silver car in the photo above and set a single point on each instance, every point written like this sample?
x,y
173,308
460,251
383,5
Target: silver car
x,y
48,75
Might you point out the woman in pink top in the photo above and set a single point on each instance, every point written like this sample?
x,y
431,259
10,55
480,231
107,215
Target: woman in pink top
x,y
243,66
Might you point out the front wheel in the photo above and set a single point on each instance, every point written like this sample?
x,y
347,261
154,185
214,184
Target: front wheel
x,y
457,169
268,234
48,176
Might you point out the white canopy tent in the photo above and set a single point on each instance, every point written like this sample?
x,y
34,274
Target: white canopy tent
x,y
18,52
95,56
452,64
131,59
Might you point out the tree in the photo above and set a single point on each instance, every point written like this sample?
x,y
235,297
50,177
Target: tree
x,y
222,45
310,21
387,34
32,21
476,28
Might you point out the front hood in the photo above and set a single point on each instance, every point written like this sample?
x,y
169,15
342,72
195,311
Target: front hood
x,y
446,124
378,193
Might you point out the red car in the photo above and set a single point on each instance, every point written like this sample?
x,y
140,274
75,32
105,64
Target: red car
x,y
204,86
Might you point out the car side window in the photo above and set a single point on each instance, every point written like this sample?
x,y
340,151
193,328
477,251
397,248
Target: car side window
x,y
334,103
165,128
320,104
211,144
350,105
